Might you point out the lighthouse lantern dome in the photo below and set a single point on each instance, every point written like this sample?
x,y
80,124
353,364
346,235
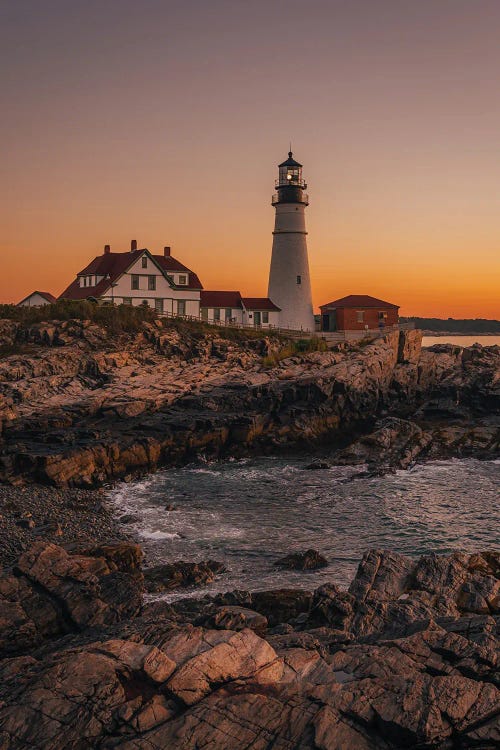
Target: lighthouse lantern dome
x,y
290,172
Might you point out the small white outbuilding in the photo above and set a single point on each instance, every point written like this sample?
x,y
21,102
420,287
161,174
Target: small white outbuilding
x,y
37,299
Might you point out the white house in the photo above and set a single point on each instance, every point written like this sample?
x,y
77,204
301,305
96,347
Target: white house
x,y
37,299
231,307
138,277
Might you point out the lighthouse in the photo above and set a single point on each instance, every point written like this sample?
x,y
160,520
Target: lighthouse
x,y
289,282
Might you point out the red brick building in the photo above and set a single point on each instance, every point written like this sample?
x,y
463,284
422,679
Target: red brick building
x,y
358,312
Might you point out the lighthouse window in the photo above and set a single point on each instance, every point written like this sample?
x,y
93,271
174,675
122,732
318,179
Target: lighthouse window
x,y
299,279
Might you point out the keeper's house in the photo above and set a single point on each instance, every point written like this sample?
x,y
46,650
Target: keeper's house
x,y
358,312
138,277
231,307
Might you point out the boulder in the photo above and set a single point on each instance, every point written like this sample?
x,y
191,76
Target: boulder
x,y
51,592
236,656
181,574
395,443
318,464
281,605
238,618
309,560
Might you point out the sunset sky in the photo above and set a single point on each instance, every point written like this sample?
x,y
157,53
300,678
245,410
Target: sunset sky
x,y
164,121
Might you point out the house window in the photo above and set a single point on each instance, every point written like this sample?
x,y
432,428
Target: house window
x,y
299,279
181,307
145,303
84,281
182,280
134,281
382,315
359,316
127,300
144,262
265,317
151,283
216,313
159,305
204,313
228,315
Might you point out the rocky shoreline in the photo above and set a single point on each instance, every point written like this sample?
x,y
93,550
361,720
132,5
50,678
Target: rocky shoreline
x,y
117,407
74,518
407,657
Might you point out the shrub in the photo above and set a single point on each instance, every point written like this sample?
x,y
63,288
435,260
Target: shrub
x,y
114,318
301,346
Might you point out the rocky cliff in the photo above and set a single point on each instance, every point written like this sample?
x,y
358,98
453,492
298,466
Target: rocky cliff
x,y
79,407
407,657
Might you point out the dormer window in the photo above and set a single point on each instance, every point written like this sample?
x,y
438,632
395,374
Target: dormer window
x,y
182,280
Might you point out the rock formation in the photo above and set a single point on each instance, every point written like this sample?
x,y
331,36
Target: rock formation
x,y
79,407
406,658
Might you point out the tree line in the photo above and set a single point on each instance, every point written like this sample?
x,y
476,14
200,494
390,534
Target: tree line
x,y
456,325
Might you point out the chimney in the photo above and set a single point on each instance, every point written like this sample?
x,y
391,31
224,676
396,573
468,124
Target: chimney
x,y
166,251
133,246
107,249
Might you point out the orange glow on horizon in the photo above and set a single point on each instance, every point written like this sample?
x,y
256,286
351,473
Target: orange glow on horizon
x,y
166,124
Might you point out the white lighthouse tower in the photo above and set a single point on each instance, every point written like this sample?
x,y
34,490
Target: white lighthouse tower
x,y
289,282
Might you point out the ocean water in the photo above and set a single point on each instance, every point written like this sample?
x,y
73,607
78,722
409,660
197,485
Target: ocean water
x,y
461,340
249,513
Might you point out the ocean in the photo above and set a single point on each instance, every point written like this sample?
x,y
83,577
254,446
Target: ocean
x,y
249,513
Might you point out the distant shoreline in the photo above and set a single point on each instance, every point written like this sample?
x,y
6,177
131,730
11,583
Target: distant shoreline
x,y
426,332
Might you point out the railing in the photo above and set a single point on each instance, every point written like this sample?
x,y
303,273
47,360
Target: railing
x,y
290,183
276,199
294,332
372,333
234,324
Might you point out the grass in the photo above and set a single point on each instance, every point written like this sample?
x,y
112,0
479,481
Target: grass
x,y
127,319
115,319
301,346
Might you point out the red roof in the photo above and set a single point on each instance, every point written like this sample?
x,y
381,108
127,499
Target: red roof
x,y
113,265
260,303
221,299
75,291
46,295
358,300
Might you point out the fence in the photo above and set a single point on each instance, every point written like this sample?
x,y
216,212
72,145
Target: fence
x,y
329,336
334,337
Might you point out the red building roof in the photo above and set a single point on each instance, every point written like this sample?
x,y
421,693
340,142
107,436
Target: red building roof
x,y
260,303
46,295
358,301
221,299
113,265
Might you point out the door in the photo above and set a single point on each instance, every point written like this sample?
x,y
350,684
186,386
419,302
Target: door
x,y
256,319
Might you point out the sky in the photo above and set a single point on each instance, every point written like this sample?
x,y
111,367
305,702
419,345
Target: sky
x,y
163,121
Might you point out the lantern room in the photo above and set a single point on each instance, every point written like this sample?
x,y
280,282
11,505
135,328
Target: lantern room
x,y
290,186
290,173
